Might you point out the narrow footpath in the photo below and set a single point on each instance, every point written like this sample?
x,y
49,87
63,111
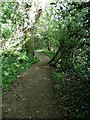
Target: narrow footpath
x,y
32,95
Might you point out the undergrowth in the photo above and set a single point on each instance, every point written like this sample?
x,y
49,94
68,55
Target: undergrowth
x,y
12,66
72,96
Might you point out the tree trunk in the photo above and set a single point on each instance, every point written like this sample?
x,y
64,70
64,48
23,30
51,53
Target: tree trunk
x,y
57,60
55,55
30,46
48,46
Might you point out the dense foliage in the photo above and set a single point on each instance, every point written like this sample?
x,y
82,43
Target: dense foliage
x,y
67,34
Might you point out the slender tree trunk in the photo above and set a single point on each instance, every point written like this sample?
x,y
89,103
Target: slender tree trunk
x,y
55,55
57,60
31,44
48,46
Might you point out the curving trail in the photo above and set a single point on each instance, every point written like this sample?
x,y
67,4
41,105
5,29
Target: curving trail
x,y
32,95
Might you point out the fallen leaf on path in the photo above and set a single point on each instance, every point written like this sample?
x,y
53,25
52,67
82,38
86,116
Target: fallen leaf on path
x,y
37,111
23,99
37,68
9,110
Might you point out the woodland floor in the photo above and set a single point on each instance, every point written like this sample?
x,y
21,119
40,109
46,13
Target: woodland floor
x,y
32,95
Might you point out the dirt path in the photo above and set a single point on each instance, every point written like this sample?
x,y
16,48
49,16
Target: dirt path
x,y
32,96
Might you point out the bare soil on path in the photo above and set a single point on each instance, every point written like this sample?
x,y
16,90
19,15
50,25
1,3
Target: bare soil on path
x,y
32,95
